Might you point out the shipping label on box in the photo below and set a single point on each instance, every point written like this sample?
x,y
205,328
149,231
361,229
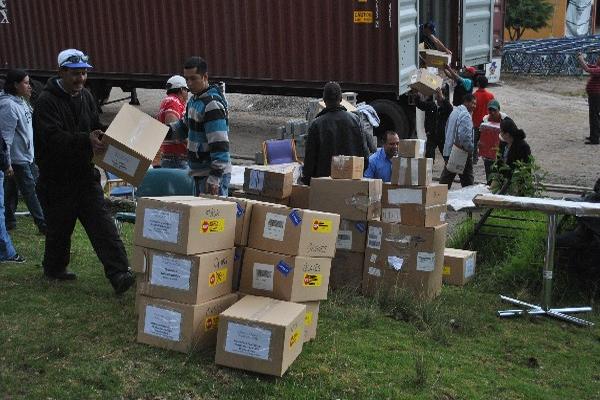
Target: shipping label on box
x,y
185,225
347,167
269,181
459,266
394,195
352,235
353,199
411,148
132,141
293,231
261,334
284,277
412,171
180,327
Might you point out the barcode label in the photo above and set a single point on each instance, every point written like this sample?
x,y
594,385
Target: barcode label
x,y
344,240
263,277
374,237
274,226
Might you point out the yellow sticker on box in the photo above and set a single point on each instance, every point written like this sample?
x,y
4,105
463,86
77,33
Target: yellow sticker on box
x,y
211,323
313,280
308,318
295,337
363,17
216,278
322,225
212,225
447,270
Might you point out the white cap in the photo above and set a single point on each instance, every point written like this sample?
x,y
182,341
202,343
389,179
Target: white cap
x,y
176,82
73,58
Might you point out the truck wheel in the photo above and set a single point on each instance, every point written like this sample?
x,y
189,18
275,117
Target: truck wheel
x,y
392,118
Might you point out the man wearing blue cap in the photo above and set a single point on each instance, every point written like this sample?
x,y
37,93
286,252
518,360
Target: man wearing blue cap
x,y
67,131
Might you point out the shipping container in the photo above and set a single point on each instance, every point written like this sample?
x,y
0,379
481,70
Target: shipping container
x,y
254,46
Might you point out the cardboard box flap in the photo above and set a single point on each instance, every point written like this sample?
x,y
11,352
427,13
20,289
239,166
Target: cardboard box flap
x,y
264,310
138,131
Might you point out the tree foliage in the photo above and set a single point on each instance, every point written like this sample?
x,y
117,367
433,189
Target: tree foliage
x,y
526,14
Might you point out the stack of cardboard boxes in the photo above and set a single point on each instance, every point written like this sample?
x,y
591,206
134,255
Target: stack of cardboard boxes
x,y
184,258
357,200
406,248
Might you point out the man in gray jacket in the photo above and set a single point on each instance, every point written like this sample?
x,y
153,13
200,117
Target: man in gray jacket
x,y
459,132
17,131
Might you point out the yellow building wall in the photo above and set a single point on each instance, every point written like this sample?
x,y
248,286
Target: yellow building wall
x,y
555,27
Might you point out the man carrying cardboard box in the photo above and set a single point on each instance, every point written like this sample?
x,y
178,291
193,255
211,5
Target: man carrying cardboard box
x,y
67,131
334,132
205,125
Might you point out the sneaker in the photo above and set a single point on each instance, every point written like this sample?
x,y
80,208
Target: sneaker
x,y
14,259
122,281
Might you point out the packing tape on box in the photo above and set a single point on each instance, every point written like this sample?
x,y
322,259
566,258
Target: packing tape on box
x,y
138,132
338,162
361,201
402,171
401,240
414,171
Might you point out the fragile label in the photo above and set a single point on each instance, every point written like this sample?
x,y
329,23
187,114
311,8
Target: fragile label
x,y
425,261
248,341
405,196
374,237
312,280
470,267
120,160
447,271
274,226
391,215
212,225
171,272
344,240
263,277
216,278
308,318
161,225
375,272
363,17
165,324
395,262
322,225
257,180
295,337
211,323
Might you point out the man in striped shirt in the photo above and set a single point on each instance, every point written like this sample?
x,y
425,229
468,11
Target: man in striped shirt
x,y
593,92
206,127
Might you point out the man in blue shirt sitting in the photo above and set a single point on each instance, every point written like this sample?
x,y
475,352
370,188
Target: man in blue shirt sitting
x,y
380,162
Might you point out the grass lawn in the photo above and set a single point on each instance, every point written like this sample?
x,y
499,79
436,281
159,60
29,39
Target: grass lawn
x,y
78,341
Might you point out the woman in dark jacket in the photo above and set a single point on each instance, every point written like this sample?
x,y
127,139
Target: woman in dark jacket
x,y
516,149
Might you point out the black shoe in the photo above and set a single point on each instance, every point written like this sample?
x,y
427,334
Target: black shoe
x,y
60,276
42,230
17,259
122,281
589,141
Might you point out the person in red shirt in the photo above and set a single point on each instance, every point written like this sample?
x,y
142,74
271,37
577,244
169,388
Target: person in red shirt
x,y
483,97
173,154
593,91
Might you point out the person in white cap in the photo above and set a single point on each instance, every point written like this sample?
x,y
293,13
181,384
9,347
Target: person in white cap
x,y
67,131
173,153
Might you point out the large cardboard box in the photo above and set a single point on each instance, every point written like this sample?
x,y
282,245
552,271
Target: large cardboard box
x,y
357,200
185,225
425,82
311,318
300,196
260,334
268,182
411,148
293,231
400,256
242,216
436,58
238,259
346,270
285,277
347,167
352,235
132,141
431,195
412,171
459,266
259,198
180,327
187,279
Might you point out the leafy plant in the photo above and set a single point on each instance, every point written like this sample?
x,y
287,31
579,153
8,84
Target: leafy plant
x,y
525,180
526,14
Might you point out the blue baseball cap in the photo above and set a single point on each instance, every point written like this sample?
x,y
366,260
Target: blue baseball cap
x,y
73,58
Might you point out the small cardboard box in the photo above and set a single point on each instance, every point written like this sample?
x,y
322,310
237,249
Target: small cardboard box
x,y
352,236
436,58
311,318
186,279
411,148
425,82
132,141
238,258
180,327
412,171
260,334
357,200
185,225
242,216
300,196
346,270
347,167
285,277
414,214
400,256
294,232
240,194
431,195
459,266
268,182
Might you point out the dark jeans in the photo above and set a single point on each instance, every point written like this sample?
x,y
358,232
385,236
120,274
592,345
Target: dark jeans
x,y
466,178
431,144
24,181
66,202
594,103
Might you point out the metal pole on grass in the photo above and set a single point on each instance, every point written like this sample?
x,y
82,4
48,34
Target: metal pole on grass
x,y
549,263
